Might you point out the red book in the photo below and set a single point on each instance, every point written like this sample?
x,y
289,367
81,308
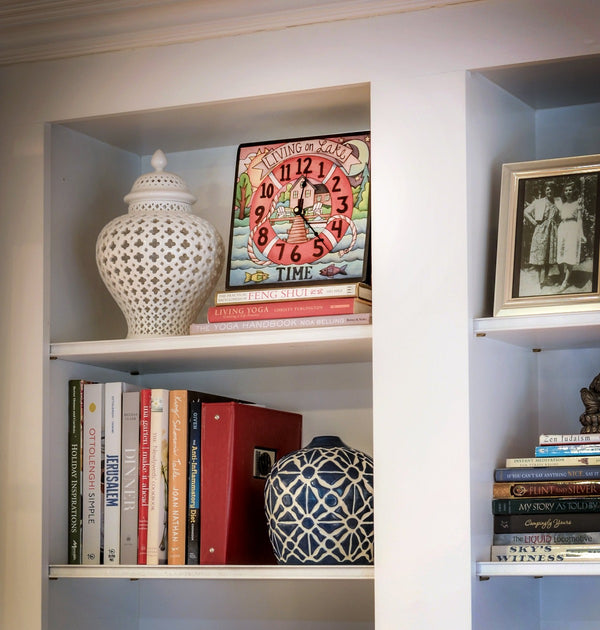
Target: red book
x,y
144,476
293,308
239,444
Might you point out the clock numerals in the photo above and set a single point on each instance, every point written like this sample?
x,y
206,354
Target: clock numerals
x,y
343,204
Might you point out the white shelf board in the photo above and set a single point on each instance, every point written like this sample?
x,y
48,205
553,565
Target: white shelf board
x,y
213,572
235,350
537,569
545,332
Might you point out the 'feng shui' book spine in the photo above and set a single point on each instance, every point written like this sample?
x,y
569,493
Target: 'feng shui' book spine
x,y
558,450
144,474
545,553
519,489
547,538
545,462
558,473
557,505
93,397
295,308
75,390
569,438
579,522
130,460
353,289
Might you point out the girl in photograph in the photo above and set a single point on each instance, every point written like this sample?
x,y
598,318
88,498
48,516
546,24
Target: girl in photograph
x,y
542,213
570,232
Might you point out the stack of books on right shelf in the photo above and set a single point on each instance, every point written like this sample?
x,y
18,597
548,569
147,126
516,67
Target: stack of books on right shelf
x,y
547,507
333,304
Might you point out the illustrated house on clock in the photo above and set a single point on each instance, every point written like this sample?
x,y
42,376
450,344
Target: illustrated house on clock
x,y
314,195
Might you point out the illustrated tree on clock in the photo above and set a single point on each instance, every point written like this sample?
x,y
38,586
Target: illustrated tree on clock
x,y
243,194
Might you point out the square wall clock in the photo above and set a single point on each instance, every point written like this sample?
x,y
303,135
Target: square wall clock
x,y
301,212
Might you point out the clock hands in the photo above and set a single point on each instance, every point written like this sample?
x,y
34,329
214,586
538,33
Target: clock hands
x,y
299,210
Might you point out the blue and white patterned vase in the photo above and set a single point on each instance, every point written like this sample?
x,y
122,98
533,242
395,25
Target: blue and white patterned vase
x,y
319,505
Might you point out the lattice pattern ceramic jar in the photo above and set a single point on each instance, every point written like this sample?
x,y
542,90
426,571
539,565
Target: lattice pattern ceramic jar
x,y
159,261
319,505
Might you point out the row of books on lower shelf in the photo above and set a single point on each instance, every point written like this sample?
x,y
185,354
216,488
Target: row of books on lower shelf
x,y
322,305
170,476
546,508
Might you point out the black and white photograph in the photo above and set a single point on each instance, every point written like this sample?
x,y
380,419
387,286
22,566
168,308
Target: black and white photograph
x,y
549,236
557,220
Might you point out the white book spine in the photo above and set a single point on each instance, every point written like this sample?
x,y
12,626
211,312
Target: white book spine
x,y
130,449
93,395
157,492
113,421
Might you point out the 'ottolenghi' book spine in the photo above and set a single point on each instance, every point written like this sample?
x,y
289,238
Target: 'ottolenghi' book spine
x,y
75,390
130,453
93,397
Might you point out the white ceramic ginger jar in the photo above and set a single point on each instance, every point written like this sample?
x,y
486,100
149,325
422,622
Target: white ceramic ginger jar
x,y
159,261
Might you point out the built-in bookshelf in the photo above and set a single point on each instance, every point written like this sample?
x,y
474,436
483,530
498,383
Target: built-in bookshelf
x,y
449,95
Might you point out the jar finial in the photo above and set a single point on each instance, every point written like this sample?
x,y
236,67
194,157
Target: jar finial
x,y
159,160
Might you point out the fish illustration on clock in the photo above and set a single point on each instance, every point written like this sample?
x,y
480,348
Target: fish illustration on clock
x,y
301,212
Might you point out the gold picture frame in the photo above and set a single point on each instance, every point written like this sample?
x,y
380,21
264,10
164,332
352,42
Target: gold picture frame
x,y
548,239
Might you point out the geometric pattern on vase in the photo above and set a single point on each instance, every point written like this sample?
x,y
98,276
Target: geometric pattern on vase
x,y
159,262
319,505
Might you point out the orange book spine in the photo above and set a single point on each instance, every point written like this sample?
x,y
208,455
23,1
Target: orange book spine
x,y
177,503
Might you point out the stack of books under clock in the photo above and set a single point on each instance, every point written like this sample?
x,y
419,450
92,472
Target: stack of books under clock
x,y
546,508
320,305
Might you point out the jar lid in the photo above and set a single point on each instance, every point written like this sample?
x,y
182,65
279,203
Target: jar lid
x,y
159,185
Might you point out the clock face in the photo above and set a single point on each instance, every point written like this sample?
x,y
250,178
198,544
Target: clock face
x,y
301,212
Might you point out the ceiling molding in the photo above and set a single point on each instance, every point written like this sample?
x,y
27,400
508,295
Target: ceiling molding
x,y
37,30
